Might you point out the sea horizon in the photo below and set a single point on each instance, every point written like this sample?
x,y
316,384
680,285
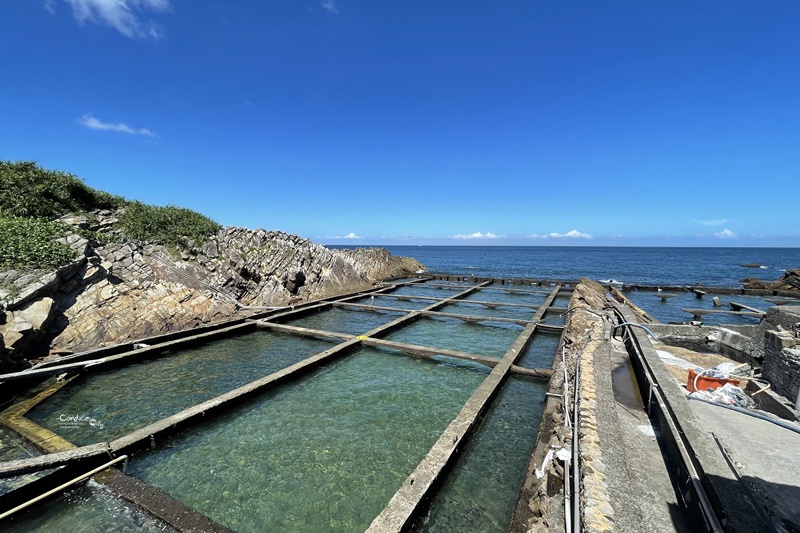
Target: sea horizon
x,y
633,265
584,246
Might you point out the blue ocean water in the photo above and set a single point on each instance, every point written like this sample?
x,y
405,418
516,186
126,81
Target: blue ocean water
x,y
718,267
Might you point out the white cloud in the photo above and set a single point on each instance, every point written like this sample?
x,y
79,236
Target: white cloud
x,y
93,124
329,6
122,15
712,222
477,235
574,234
725,234
350,235
49,5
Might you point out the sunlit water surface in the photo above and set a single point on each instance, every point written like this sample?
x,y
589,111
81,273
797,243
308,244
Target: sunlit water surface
x,y
111,404
479,495
323,454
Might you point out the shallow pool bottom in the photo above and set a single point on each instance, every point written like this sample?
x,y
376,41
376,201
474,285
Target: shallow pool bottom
x,y
324,454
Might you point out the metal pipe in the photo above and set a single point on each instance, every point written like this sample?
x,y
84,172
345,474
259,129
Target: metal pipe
x,y
567,500
653,335
576,503
781,423
46,371
566,387
63,486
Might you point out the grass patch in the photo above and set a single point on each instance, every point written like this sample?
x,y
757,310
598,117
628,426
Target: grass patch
x,y
32,243
168,225
32,197
27,190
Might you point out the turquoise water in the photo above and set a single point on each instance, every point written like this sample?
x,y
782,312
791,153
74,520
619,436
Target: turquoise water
x,y
395,302
453,334
88,508
521,313
427,291
455,284
343,320
480,494
540,351
12,448
554,319
505,297
113,403
324,454
561,301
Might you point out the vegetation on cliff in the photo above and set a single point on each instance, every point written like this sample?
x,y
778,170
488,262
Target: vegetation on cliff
x,y
32,242
27,190
165,225
33,198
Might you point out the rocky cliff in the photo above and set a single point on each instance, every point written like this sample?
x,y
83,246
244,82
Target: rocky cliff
x,y
123,290
789,282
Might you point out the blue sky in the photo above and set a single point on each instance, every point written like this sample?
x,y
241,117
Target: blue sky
x,y
624,122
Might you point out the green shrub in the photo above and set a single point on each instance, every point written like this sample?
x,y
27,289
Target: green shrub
x,y
28,190
31,242
166,225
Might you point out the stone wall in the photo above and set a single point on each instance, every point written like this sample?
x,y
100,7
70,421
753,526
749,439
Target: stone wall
x,y
782,362
587,326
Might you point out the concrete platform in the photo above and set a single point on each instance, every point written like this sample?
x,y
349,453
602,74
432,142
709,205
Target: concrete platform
x,y
765,458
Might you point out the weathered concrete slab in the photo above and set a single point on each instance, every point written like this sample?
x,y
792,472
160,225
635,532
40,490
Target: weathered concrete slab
x,y
664,296
426,351
304,332
466,318
494,305
698,313
44,439
736,306
477,318
52,460
543,373
159,504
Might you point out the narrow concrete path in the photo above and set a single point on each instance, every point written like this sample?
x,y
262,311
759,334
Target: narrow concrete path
x,y
637,475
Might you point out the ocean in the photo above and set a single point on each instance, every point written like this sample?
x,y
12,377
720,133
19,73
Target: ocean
x,y
716,267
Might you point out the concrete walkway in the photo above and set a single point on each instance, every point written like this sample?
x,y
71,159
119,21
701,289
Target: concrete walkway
x,y
637,476
765,457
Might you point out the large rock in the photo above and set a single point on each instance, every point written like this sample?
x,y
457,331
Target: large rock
x,y
789,282
294,281
24,327
11,361
123,291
